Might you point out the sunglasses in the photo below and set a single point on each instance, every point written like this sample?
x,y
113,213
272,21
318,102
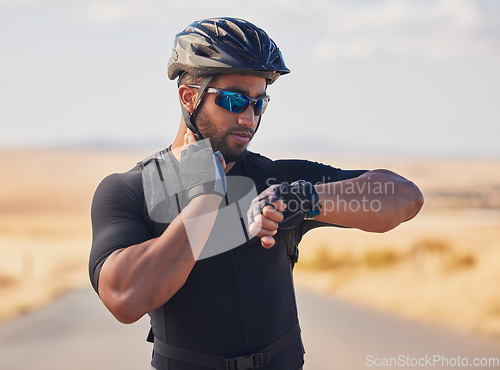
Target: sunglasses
x,y
236,102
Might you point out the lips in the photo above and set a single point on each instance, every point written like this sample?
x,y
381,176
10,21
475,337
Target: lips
x,y
241,137
243,134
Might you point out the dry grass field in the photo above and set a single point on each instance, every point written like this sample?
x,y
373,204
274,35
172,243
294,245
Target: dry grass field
x,y
442,267
45,231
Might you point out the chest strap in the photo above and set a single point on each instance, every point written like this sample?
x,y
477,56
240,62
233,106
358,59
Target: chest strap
x,y
253,361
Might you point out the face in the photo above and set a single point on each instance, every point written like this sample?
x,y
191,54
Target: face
x,y
230,132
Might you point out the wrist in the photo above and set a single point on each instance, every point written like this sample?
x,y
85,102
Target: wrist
x,y
206,188
207,202
310,199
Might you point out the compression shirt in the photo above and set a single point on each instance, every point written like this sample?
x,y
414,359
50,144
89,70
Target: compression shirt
x,y
232,304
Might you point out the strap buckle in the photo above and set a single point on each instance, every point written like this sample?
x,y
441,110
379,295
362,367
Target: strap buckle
x,y
245,362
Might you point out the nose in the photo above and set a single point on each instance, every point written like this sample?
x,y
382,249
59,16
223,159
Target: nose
x,y
247,118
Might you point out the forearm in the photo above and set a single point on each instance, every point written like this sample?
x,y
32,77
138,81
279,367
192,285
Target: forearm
x,y
140,278
376,201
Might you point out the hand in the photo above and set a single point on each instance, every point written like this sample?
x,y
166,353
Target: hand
x,y
264,216
202,170
190,139
302,201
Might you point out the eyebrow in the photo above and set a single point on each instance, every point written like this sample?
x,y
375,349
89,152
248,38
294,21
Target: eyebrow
x,y
241,91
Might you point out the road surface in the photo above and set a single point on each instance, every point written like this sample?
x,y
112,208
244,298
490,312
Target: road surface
x,y
77,333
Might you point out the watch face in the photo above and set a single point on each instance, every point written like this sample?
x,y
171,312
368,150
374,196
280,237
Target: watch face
x,y
310,199
311,215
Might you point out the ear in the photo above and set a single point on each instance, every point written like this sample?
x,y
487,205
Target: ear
x,y
187,96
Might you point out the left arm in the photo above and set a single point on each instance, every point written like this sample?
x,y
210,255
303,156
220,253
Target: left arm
x,y
375,201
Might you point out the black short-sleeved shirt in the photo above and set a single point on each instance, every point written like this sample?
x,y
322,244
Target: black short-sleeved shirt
x,y
233,303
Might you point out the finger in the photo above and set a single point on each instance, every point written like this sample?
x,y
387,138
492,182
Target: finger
x,y
222,161
273,214
269,225
267,241
188,139
255,228
279,205
186,143
191,139
262,227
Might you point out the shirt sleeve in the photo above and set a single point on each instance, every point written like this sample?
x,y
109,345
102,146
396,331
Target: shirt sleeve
x,y
315,173
117,218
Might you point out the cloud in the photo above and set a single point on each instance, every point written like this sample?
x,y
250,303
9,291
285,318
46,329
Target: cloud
x,y
343,29
434,29
113,12
329,29
156,12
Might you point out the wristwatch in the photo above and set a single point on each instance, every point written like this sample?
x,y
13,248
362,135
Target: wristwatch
x,y
310,194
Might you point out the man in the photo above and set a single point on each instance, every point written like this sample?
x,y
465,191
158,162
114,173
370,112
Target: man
x,y
184,236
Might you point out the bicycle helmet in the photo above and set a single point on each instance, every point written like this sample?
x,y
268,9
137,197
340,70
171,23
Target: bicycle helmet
x,y
225,45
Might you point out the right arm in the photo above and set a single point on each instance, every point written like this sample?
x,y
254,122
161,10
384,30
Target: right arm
x,y
142,277
138,279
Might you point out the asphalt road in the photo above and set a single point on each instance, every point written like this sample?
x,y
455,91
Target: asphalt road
x,y
76,333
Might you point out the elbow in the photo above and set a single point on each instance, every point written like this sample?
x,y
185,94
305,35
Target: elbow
x,y
415,202
397,213
128,306
121,303
382,225
125,315
122,308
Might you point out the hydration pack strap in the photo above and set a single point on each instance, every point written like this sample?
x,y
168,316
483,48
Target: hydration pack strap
x,y
253,361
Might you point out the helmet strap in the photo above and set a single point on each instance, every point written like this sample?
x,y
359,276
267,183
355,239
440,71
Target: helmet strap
x,y
258,124
189,117
260,117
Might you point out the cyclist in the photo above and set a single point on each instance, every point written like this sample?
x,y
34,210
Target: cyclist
x,y
203,235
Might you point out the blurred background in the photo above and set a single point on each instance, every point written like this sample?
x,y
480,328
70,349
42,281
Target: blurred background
x,y
409,85
368,77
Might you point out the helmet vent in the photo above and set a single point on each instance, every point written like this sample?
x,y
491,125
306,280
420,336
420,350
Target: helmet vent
x,y
205,51
255,40
232,45
214,29
246,57
236,32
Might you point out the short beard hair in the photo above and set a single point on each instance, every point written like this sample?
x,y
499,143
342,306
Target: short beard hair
x,y
217,139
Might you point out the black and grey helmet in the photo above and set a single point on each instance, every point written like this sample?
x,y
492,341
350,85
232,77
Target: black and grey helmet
x,y
225,45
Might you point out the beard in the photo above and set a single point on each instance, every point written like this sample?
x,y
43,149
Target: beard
x,y
219,138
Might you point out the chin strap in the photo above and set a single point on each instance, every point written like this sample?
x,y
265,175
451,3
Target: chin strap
x,y
260,117
258,124
189,117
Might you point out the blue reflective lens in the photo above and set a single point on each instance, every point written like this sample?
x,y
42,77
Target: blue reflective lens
x,y
238,103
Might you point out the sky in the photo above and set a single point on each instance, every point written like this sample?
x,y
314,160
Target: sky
x,y
379,78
